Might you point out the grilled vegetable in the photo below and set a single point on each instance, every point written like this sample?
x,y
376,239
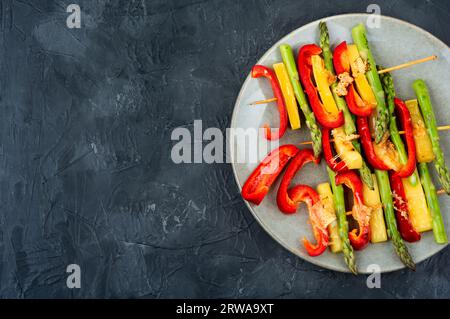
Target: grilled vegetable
x,y
310,119
318,217
389,215
323,80
288,94
407,160
261,179
387,153
440,235
339,202
382,119
346,87
423,96
368,146
345,149
326,196
417,206
405,119
349,125
259,71
358,67
377,225
326,117
424,149
332,160
401,205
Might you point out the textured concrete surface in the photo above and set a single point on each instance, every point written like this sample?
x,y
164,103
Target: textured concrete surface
x,y
86,175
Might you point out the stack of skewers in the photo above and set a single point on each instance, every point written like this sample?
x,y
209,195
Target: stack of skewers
x,y
374,143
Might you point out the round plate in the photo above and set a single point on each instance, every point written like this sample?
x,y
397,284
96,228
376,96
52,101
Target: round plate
x,y
392,43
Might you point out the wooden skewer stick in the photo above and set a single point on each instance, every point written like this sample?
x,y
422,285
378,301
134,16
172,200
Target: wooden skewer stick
x,y
394,68
274,99
408,64
440,128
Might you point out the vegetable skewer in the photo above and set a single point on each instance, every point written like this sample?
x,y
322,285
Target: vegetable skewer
x,y
395,171
359,238
380,71
402,212
430,215
349,124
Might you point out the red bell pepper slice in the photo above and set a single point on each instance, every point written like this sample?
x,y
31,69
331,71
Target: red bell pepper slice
x,y
406,122
338,167
285,203
258,71
353,181
304,193
355,103
258,183
401,210
305,69
340,58
366,141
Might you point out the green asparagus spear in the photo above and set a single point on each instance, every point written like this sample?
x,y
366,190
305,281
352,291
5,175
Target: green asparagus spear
x,y
389,90
382,120
426,107
433,204
389,215
338,192
349,126
316,134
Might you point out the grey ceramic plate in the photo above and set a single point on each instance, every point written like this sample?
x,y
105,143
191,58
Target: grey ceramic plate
x,y
393,43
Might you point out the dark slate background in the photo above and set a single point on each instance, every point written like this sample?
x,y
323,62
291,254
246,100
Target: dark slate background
x,y
86,175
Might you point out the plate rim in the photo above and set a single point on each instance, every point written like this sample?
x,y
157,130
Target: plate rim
x,y
233,120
